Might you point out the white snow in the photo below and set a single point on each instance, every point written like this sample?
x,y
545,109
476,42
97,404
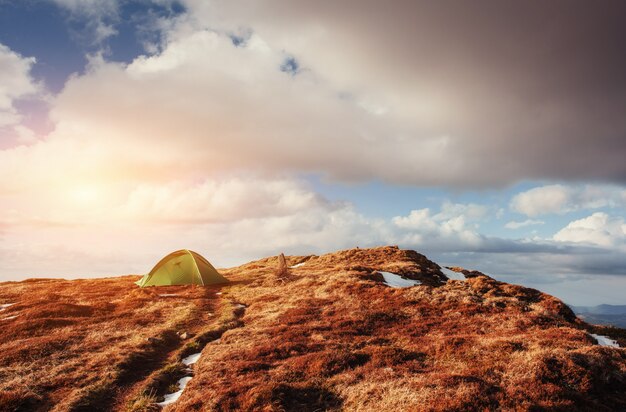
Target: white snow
x,y
182,382
173,397
9,317
397,281
191,359
451,274
169,294
240,306
218,293
6,305
605,341
297,266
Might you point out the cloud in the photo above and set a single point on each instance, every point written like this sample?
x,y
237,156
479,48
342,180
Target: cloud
x,y
563,199
528,222
421,228
470,77
598,229
100,16
469,211
236,218
93,22
92,229
346,115
86,202
16,83
219,201
541,200
230,220
239,112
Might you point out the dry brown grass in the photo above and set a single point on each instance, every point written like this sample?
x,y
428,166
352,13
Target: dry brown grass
x,y
331,338
75,345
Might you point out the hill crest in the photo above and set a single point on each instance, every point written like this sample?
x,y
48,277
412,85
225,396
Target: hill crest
x,y
324,333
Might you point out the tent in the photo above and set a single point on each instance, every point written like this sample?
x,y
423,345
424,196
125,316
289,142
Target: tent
x,y
182,267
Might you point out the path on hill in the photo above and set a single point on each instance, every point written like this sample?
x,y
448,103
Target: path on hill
x,y
207,312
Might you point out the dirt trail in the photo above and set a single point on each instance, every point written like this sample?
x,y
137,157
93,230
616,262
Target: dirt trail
x,y
166,352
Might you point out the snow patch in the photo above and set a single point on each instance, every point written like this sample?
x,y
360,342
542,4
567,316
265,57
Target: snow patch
x,y
6,305
397,281
240,306
173,397
605,341
451,274
9,317
191,359
297,266
169,294
218,293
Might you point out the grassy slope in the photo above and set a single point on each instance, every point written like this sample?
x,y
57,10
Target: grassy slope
x,y
77,345
326,335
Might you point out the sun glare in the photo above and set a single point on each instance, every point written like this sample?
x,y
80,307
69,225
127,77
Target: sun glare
x,y
84,194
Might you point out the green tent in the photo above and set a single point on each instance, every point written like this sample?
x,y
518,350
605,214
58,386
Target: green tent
x,y
182,267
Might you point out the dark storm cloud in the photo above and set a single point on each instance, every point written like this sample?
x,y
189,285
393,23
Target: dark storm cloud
x,y
524,90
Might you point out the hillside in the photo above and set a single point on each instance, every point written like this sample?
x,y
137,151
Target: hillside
x,y
326,333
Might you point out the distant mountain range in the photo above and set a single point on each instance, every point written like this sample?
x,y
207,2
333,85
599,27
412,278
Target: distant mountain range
x,y
614,315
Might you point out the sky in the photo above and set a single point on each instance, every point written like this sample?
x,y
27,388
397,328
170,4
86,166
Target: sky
x,y
487,134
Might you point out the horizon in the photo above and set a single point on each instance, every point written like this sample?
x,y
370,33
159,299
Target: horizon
x,y
488,135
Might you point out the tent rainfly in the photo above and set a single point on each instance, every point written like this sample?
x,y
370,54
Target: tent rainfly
x,y
183,267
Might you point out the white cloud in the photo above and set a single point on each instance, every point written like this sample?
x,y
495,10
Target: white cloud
x,y
100,16
422,228
84,202
236,219
201,105
541,200
230,221
219,201
204,106
15,83
469,211
598,229
563,199
528,222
